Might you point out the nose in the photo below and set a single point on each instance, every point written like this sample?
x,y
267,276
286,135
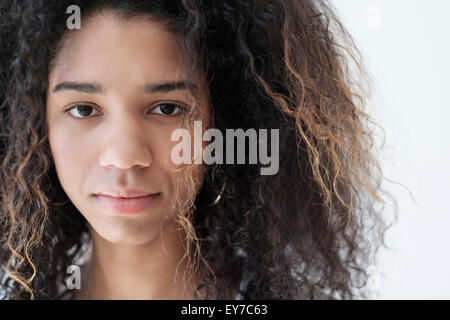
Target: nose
x,y
125,144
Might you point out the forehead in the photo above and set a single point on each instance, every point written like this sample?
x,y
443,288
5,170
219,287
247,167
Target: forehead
x,y
112,50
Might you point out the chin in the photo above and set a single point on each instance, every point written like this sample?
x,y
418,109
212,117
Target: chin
x,y
126,235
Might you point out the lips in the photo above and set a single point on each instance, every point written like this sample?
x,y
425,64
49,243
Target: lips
x,y
125,193
126,205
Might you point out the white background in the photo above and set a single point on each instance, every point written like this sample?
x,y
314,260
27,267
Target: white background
x,y
406,44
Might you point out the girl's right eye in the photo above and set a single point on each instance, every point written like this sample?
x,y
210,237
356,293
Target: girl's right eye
x,y
82,109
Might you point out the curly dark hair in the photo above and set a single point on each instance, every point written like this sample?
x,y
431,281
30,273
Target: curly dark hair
x,y
308,232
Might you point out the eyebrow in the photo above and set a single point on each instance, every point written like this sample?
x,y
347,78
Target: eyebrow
x,y
86,87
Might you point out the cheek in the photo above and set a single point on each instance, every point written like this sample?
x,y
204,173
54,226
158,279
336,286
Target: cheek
x,y
184,179
69,153
163,166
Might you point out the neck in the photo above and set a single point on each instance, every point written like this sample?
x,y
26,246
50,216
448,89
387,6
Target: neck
x,y
146,271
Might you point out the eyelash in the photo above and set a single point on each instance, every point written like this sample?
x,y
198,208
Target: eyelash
x,y
180,107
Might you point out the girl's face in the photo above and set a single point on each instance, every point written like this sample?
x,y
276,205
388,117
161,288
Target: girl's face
x,y
110,119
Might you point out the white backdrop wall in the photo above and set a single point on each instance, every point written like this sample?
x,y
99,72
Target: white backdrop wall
x,y
406,44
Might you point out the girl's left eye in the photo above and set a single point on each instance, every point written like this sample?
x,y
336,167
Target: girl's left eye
x,y
168,109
